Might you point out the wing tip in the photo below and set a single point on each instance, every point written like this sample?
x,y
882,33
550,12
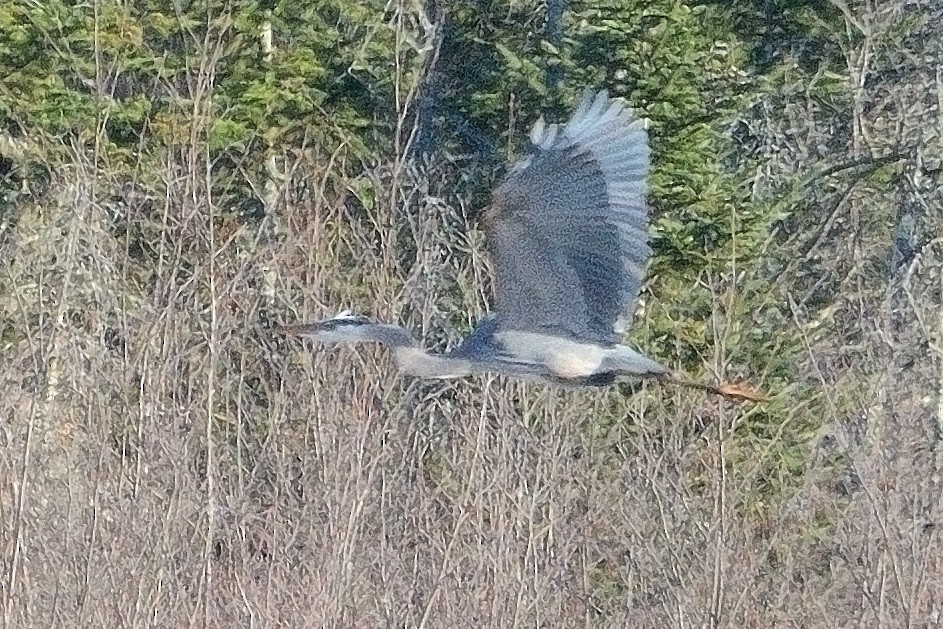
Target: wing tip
x,y
606,127
544,135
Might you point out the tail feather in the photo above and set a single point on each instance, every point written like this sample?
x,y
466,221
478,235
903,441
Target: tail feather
x,y
624,360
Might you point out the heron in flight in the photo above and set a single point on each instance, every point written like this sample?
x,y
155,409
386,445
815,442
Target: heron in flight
x,y
567,233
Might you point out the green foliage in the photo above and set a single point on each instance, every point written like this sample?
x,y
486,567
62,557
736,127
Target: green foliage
x,y
68,67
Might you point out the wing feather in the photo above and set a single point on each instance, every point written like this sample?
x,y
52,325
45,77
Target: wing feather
x,y
568,227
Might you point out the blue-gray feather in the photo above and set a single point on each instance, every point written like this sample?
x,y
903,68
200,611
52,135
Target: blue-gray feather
x,y
567,228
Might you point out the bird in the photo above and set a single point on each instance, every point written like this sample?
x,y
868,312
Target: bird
x,y
567,235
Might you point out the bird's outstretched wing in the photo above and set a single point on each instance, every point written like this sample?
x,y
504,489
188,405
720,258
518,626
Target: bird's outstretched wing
x,y
568,227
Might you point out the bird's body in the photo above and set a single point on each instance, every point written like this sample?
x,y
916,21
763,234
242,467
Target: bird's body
x,y
567,232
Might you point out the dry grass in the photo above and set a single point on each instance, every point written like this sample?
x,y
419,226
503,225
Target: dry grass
x,y
171,464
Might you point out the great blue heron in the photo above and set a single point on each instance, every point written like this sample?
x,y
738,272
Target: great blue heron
x,y
567,231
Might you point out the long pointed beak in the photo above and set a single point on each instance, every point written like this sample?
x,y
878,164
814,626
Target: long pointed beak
x,y
304,329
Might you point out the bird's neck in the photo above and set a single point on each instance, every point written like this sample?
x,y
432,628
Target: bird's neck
x,y
411,358
415,361
387,334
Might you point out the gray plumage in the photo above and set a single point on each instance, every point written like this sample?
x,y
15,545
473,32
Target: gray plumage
x,y
567,233
568,228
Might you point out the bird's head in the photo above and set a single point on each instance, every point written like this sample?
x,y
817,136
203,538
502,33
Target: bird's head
x,y
345,327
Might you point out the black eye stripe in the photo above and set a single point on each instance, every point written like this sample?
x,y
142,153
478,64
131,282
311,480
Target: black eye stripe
x,y
354,320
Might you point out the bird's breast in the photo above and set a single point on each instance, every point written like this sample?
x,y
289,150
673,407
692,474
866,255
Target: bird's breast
x,y
563,357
